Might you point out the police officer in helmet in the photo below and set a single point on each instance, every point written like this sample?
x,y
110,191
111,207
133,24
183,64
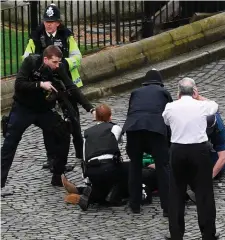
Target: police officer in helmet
x,y
53,32
34,81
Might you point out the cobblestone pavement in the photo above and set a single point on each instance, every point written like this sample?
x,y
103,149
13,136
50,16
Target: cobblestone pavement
x,y
37,210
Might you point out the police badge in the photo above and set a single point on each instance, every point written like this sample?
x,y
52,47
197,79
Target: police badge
x,y
50,12
58,43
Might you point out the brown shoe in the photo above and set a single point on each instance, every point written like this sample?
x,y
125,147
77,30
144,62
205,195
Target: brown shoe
x,y
72,198
70,187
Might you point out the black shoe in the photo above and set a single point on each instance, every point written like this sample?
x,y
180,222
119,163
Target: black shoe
x,y
118,203
84,198
56,180
165,214
135,209
217,236
83,203
87,191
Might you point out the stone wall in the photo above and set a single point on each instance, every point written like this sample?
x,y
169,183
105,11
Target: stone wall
x,y
105,64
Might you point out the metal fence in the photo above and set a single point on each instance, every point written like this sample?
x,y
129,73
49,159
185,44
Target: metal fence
x,y
95,24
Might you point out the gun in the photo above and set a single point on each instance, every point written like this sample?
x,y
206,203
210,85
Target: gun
x,y
63,95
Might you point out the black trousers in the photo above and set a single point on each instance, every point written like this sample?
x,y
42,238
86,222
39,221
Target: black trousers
x,y
20,119
103,178
191,165
155,144
149,178
77,139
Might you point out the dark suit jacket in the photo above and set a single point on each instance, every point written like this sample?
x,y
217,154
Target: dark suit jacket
x,y
145,110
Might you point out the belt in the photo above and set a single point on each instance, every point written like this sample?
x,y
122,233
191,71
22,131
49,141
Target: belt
x,y
97,162
107,161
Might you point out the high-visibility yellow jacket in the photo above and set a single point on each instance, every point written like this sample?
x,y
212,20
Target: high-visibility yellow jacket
x,y
65,41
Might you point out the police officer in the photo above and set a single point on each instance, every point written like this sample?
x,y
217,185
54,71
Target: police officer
x,y
102,161
32,85
53,32
147,132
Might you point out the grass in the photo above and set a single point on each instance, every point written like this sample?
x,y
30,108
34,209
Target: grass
x,y
9,50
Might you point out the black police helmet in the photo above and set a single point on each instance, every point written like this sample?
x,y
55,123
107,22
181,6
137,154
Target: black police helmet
x,y
52,13
153,77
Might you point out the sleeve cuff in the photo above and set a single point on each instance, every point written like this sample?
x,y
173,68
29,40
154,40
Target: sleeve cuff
x,y
92,110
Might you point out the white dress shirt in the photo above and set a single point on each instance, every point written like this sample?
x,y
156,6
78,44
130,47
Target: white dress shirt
x,y
187,119
116,130
53,34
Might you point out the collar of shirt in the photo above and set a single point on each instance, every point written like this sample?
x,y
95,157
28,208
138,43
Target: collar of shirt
x,y
186,97
53,34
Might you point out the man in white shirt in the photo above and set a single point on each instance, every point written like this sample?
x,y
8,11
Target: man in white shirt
x,y
190,160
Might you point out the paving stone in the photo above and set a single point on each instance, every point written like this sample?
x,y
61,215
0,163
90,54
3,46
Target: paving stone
x,y
37,210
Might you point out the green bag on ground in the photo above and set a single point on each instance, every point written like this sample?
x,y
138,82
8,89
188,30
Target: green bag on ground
x,y
147,159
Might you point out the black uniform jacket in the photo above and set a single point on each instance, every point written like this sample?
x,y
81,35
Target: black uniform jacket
x,y
145,110
27,85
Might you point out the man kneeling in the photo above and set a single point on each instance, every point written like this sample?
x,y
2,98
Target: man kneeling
x,y
102,162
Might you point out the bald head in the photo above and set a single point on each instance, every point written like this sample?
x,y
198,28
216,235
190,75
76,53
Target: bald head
x,y
186,86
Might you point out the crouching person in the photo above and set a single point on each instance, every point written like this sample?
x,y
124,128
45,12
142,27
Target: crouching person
x,y
102,161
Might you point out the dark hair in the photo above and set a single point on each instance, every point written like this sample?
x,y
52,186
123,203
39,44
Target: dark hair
x,y
51,51
103,113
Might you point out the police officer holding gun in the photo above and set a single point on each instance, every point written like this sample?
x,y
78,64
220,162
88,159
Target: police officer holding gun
x,y
53,32
32,86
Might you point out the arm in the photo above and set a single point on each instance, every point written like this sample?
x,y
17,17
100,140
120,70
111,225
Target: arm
x,y
165,115
211,107
117,131
79,97
76,94
130,100
22,82
170,99
219,164
74,59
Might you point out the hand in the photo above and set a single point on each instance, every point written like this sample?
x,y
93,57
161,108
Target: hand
x,y
47,86
151,166
197,96
201,98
